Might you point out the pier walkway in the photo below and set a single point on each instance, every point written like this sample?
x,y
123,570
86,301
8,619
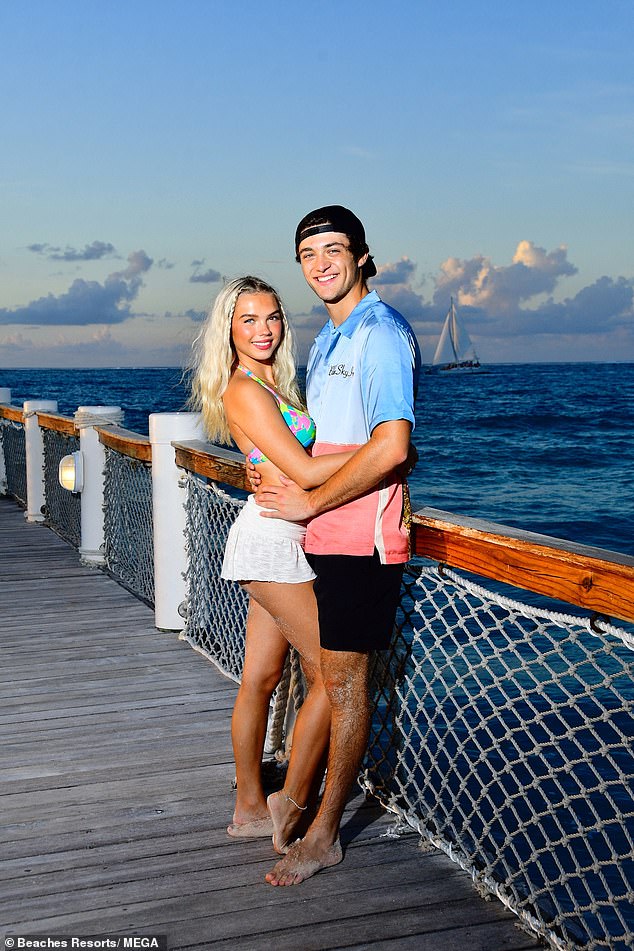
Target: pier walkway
x,y
116,772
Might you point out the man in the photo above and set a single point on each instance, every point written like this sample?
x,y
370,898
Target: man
x,y
361,379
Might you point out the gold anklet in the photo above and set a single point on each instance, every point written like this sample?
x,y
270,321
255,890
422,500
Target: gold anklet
x,y
290,799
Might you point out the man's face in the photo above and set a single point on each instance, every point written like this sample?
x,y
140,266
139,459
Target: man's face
x,y
329,266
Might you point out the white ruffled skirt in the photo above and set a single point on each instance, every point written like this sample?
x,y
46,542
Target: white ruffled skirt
x,y
265,549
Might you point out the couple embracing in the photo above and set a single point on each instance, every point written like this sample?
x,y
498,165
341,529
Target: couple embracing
x,y
321,545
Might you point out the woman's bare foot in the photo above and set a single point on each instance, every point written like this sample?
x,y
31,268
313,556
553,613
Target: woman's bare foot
x,y
255,828
303,860
285,815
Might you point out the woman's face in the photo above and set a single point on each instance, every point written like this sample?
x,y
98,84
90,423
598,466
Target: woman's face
x,y
256,328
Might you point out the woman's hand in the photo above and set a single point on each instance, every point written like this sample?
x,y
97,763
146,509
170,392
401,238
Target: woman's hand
x,y
253,476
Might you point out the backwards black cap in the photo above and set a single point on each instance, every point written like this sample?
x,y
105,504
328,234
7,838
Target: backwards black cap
x,y
340,219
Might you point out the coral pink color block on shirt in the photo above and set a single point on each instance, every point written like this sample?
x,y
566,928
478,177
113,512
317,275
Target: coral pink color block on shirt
x,y
372,521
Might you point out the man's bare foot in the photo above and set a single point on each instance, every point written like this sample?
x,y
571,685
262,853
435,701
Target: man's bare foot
x,y
303,860
256,828
285,815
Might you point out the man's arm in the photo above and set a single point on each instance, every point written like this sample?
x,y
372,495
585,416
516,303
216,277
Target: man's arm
x,y
386,449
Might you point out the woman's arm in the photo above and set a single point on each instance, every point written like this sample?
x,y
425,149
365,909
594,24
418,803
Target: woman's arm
x,y
254,411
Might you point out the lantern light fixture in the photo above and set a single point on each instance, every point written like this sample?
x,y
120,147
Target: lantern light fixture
x,y
71,472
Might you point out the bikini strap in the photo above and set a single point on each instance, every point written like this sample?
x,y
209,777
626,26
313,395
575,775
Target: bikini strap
x,y
261,382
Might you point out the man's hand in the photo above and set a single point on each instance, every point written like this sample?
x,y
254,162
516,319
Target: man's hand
x,y
286,500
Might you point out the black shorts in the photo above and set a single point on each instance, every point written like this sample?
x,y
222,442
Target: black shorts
x,y
357,598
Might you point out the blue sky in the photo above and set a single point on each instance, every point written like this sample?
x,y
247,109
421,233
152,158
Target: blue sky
x,y
150,150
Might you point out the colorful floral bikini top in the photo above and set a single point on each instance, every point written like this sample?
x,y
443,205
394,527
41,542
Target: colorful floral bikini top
x,y
300,423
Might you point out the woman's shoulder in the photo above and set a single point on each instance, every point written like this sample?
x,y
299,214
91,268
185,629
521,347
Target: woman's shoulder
x,y
244,392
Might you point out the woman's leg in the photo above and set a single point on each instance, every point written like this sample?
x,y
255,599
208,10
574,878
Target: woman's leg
x,y
294,610
265,652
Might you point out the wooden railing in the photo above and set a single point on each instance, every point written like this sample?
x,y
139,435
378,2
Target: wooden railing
x,y
58,423
592,578
213,462
126,442
14,413
598,580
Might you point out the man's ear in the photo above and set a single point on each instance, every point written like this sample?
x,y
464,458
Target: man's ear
x,y
363,259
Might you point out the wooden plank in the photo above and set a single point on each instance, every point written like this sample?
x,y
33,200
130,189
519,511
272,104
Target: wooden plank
x,y
116,789
178,854
15,413
394,931
454,926
125,441
57,422
592,578
329,918
213,462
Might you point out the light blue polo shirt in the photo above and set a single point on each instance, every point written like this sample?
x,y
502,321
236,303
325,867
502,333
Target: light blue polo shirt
x,y
362,373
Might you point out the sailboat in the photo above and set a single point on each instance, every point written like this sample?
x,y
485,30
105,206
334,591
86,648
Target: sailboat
x,y
455,351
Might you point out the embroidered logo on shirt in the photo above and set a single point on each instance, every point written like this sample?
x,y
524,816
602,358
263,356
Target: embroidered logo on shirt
x,y
340,369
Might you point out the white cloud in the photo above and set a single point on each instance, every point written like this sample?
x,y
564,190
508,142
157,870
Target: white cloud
x,y
138,263
399,273
205,277
86,302
15,342
499,289
495,299
210,276
606,305
91,252
101,348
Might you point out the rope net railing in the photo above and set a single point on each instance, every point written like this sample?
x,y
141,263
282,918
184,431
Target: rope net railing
x,y
216,609
62,508
14,454
503,735
128,523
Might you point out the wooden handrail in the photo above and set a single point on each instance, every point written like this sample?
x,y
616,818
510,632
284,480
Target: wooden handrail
x,y
126,442
593,578
57,422
16,413
213,462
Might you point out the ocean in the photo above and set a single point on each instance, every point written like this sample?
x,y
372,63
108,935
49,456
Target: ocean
x,y
544,447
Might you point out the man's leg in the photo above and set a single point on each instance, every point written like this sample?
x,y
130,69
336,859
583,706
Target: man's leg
x,y
345,675
357,598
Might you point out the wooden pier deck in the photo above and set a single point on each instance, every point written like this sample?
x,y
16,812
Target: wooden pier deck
x,y
116,772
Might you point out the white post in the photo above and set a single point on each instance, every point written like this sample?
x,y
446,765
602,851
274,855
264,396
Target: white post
x,y
34,448
94,458
168,511
5,397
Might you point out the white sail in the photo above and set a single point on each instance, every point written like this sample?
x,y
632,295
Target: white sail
x,y
455,350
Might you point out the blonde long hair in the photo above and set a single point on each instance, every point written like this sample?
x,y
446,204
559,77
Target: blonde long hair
x,y
215,358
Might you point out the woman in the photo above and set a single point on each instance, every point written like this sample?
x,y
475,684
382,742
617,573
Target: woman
x,y
244,384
